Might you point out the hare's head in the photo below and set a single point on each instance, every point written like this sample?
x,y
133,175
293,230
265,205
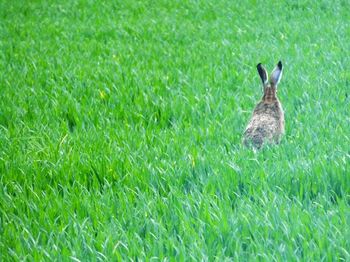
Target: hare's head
x,y
270,84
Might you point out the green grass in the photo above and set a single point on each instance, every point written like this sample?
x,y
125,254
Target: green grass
x,y
121,123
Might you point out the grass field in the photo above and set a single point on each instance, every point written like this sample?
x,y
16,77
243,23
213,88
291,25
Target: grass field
x,y
121,124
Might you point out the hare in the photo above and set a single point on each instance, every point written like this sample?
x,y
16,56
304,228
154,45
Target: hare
x,y
267,121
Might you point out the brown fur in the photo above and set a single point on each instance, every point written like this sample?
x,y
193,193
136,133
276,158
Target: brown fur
x,y
267,122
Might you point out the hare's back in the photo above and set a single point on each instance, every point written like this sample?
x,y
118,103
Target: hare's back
x,y
265,124
273,110
262,124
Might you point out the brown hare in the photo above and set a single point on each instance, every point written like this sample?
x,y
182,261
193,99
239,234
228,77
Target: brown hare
x,y
267,122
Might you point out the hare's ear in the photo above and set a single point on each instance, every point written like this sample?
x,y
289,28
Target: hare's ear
x,y
276,74
263,73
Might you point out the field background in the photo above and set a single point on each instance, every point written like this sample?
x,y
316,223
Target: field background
x,y
121,123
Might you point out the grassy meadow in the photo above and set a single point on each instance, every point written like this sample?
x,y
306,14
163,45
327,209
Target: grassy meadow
x,y
121,126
